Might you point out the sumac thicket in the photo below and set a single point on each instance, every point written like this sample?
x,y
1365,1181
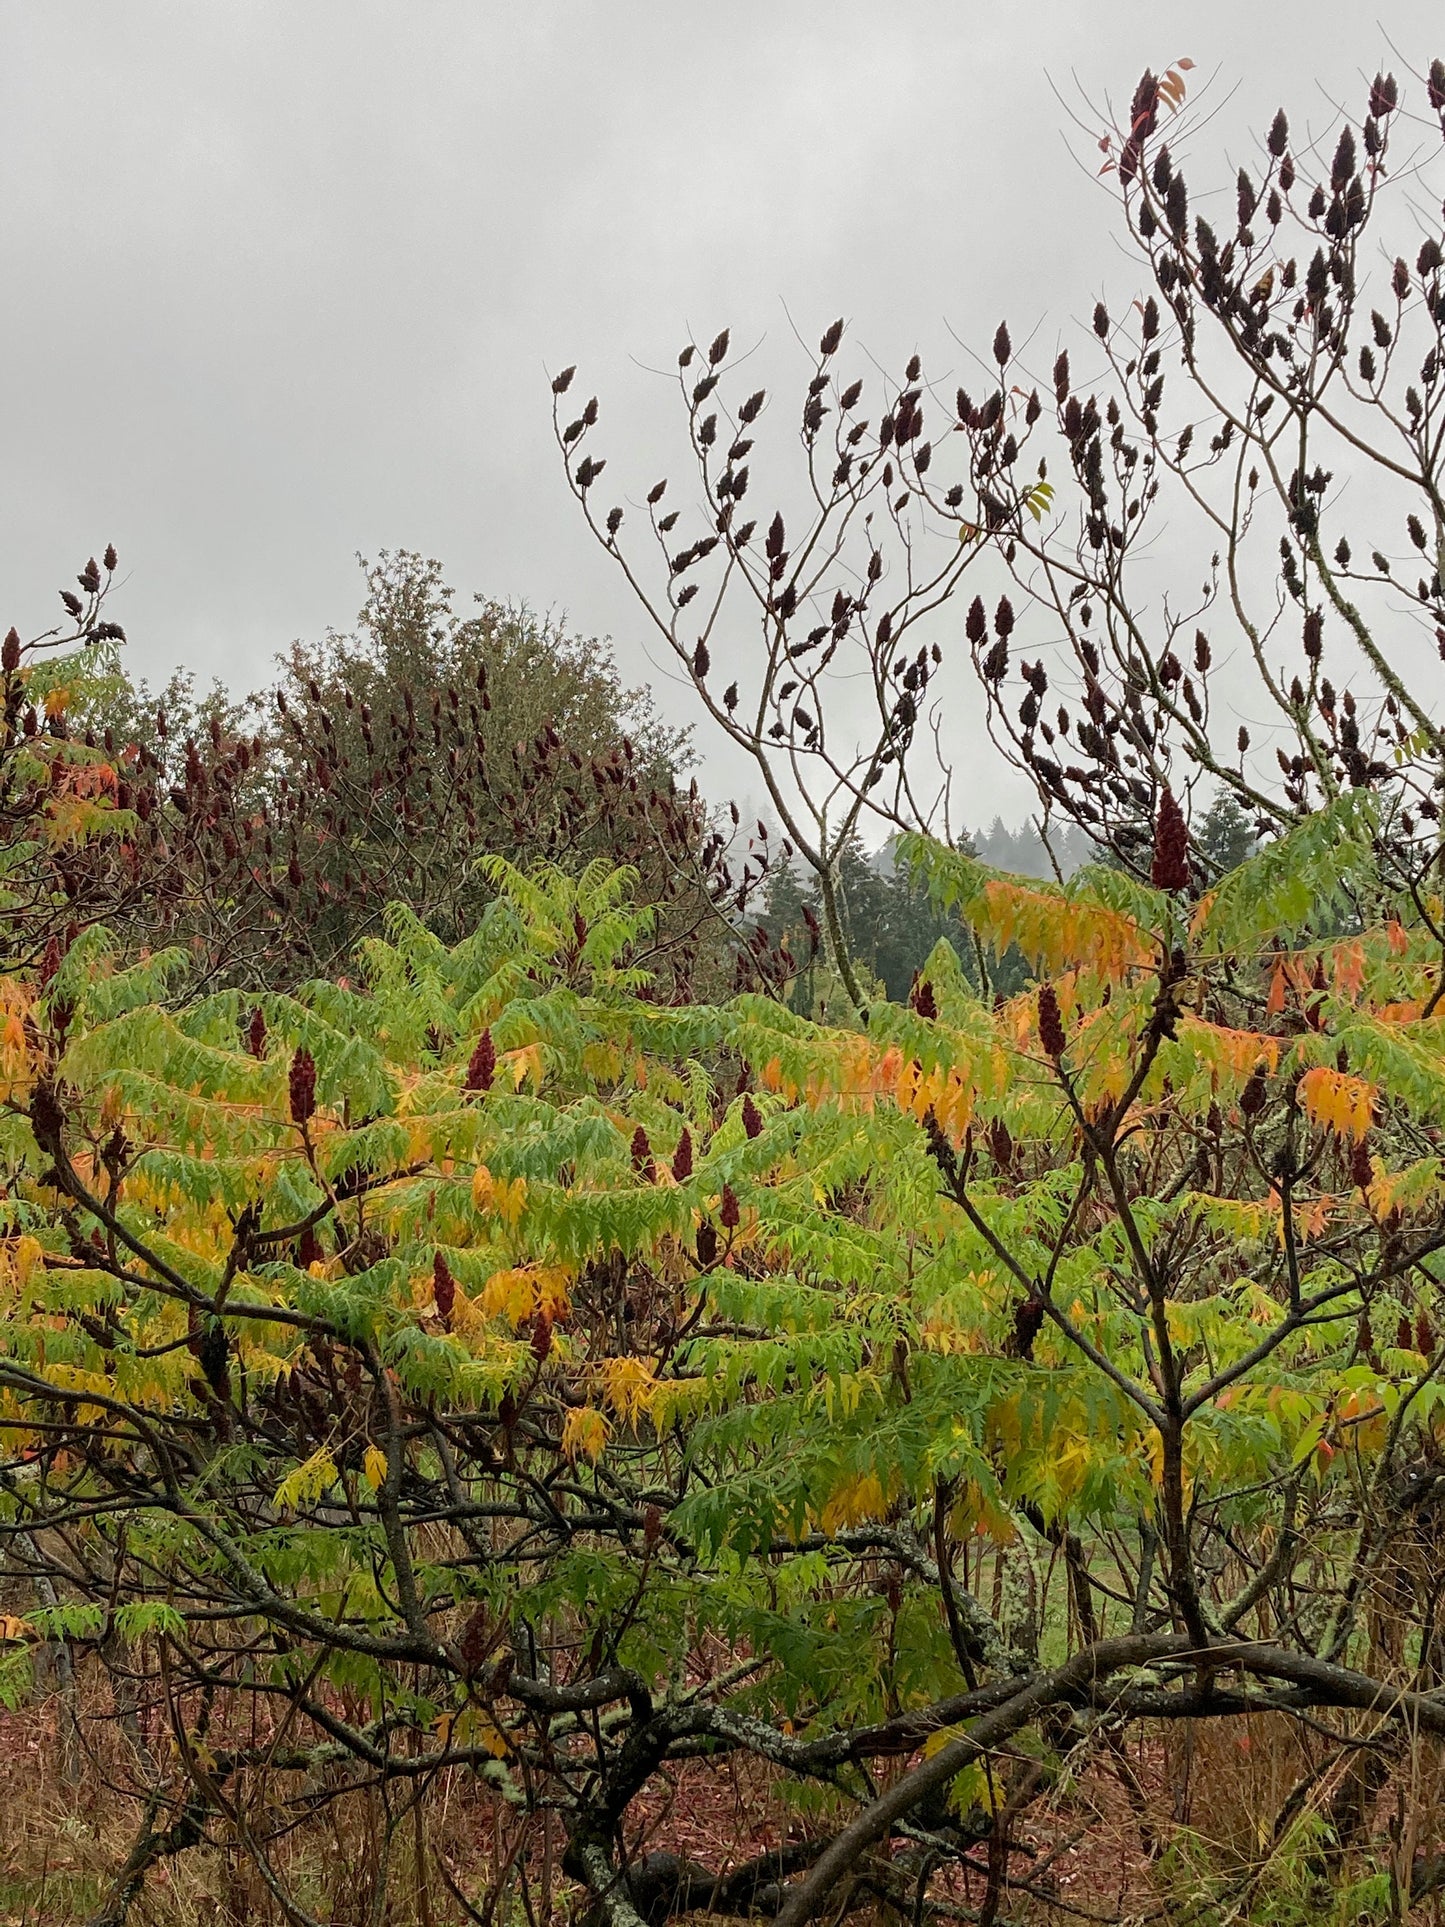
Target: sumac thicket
x,y
266,835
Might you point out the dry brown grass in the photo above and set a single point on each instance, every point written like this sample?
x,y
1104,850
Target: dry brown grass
x,y
1179,1827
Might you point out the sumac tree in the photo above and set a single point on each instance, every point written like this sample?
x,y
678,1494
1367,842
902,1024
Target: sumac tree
x,y
453,1378
1251,502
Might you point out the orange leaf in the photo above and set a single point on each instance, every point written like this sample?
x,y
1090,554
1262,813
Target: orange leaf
x,y
1342,1104
1349,969
1277,986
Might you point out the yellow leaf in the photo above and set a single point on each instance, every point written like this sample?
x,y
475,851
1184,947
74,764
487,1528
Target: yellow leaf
x,y
491,1736
474,1726
855,1500
25,1255
1057,933
523,1063
1235,1052
630,1387
585,1432
970,1788
14,1051
498,1195
510,1200
374,1465
515,1293
509,1294
307,1482
936,1741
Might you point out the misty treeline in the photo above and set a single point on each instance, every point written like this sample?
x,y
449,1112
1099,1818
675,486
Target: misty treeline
x,y
561,1358
889,923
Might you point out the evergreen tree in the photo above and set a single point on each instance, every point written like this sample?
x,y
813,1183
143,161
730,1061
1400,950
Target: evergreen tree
x,y
889,921
1226,835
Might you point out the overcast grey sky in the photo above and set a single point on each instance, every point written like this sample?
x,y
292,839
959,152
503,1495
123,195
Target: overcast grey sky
x,y
282,278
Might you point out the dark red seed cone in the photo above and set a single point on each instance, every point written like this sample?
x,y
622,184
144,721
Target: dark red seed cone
x,y
1170,870
1028,1318
483,1064
1051,1022
303,1086
923,999
444,1286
